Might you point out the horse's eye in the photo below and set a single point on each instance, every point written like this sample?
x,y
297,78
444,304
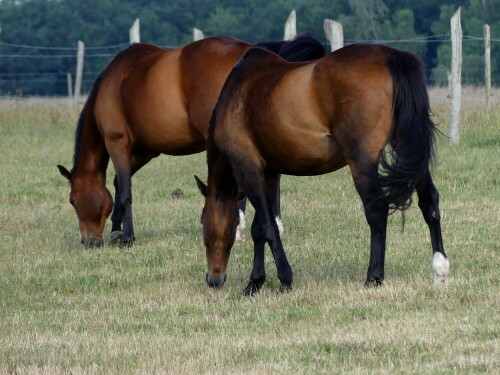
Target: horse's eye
x,y
72,202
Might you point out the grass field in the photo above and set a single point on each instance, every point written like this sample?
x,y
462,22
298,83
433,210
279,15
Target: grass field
x,y
146,309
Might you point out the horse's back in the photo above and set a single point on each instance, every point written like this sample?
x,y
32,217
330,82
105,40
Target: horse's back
x,y
140,100
206,65
296,116
161,100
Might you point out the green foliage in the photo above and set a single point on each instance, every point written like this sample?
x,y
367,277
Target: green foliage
x,y
170,23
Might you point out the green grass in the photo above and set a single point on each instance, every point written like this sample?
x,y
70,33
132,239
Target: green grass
x,y
146,309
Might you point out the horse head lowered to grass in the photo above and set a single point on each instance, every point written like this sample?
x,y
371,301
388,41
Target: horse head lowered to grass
x,y
275,117
150,101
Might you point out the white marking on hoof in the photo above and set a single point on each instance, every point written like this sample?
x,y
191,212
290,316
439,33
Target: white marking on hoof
x,y
280,225
441,267
241,227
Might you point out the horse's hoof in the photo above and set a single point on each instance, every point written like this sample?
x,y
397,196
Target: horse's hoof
x,y
373,282
127,241
251,289
116,237
285,287
93,242
441,268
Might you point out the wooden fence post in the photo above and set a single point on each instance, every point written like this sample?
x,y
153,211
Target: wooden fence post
x,y
487,62
198,34
79,69
456,75
70,85
334,34
135,32
291,26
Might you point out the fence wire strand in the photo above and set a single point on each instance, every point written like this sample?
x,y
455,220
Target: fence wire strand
x,y
43,77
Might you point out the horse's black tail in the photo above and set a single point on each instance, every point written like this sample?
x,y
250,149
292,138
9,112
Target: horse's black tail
x,y
412,141
301,48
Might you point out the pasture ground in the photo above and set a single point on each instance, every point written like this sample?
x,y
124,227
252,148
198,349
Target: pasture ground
x,y
146,309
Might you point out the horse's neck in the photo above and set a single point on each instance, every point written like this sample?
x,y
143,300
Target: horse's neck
x,y
220,174
92,157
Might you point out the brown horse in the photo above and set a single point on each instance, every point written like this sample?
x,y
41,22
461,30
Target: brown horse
x,y
302,119
150,101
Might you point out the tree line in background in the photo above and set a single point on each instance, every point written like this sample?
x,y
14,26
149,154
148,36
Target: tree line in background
x,y
60,23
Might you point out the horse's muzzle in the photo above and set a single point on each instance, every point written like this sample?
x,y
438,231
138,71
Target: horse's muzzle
x,y
215,281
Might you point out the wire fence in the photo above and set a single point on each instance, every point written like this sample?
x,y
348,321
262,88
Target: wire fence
x,y
58,61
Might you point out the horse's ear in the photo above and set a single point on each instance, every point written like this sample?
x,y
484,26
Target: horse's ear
x,y
64,172
201,186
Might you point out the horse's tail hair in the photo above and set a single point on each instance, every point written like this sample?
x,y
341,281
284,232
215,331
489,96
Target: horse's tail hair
x,y
412,140
83,115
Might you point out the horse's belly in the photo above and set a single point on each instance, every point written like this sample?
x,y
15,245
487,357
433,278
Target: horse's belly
x,y
307,156
174,136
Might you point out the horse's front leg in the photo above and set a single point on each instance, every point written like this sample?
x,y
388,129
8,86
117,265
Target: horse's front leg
x,y
265,229
240,230
277,205
122,159
137,162
124,178
276,209
117,216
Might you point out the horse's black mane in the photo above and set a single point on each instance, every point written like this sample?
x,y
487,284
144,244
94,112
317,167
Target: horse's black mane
x,y
81,121
301,48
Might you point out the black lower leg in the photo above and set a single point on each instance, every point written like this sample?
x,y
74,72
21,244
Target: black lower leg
x,y
377,219
117,216
125,182
261,194
277,198
376,212
258,275
242,205
428,201
119,211
271,231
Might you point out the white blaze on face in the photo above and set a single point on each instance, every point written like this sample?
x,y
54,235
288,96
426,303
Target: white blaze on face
x,y
441,267
241,226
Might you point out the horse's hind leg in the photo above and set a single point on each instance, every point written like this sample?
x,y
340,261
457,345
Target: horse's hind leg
x,y
428,201
264,229
376,212
137,162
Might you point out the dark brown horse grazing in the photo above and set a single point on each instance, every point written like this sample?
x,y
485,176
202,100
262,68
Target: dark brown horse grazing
x,y
150,101
302,119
